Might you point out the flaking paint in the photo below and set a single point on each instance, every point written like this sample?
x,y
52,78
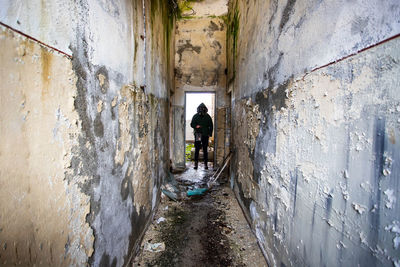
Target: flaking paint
x,y
86,129
313,184
39,125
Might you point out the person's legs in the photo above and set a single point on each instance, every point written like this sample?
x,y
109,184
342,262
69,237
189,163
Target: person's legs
x,y
197,146
204,141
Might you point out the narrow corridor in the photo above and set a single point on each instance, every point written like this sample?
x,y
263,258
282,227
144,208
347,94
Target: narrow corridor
x,y
205,230
95,113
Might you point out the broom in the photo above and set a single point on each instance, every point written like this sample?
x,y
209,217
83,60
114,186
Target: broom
x,y
213,179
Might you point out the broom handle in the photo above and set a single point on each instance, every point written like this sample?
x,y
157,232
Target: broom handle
x,y
219,168
222,169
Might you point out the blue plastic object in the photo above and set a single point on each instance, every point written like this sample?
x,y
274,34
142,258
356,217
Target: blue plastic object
x,y
196,192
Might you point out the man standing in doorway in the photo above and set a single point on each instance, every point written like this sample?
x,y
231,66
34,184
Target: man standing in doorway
x,y
203,128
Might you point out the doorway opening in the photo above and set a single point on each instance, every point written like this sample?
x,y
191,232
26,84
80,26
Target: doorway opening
x,y
192,101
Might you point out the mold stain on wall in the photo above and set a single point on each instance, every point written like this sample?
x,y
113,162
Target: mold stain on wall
x,y
130,165
321,111
99,134
311,145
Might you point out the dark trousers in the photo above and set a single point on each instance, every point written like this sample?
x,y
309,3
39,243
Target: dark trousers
x,y
201,144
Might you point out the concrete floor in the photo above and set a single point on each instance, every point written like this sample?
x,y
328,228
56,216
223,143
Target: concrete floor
x,y
208,230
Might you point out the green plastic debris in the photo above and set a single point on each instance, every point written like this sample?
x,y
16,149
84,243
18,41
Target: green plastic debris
x,y
196,192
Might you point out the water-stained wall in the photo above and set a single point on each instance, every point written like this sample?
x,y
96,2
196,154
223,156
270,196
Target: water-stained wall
x,y
84,96
315,128
200,63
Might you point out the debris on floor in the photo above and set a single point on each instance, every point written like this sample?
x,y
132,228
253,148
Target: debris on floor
x,y
156,247
171,195
201,230
160,220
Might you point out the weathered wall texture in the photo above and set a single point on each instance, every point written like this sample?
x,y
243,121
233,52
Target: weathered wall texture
x,y
38,129
203,8
316,144
200,62
178,137
84,93
200,54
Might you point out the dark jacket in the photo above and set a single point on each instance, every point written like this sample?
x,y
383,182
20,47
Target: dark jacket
x,y
204,120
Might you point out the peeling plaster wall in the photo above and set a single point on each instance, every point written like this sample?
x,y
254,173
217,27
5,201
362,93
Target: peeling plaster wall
x,y
38,127
316,128
83,129
200,62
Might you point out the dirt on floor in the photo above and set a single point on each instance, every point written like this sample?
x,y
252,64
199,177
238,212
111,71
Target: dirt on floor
x,y
206,230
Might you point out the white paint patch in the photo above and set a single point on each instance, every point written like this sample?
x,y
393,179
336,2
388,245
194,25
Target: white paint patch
x,y
308,171
259,234
391,199
61,121
394,228
388,164
386,172
366,186
160,220
154,199
396,242
359,208
110,32
253,211
345,191
255,217
363,238
360,142
340,245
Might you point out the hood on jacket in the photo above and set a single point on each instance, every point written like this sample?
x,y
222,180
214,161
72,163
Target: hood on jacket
x,y
202,109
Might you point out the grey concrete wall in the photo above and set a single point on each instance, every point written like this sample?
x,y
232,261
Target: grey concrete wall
x,y
178,138
84,97
315,128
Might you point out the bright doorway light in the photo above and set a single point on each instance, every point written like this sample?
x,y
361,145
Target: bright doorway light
x,y
192,101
